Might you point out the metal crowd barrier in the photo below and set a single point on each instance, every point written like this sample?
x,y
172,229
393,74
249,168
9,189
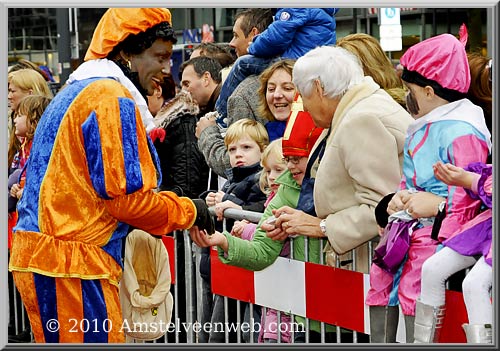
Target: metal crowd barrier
x,y
193,301
187,283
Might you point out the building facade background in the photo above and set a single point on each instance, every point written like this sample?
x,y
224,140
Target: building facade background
x,y
59,37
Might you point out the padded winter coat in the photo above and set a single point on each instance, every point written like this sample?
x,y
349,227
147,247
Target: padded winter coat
x,y
295,31
183,167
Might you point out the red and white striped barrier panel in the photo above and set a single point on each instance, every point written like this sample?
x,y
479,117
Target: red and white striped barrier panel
x,y
169,243
331,295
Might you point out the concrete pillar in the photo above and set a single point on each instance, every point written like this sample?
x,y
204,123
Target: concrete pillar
x,y
63,44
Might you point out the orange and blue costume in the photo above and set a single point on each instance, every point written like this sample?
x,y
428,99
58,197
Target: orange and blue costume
x,y
86,177
91,173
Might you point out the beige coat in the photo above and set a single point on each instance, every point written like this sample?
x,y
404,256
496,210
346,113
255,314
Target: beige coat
x,y
145,287
361,164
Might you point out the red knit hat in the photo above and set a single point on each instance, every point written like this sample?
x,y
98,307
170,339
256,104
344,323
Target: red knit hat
x,y
300,133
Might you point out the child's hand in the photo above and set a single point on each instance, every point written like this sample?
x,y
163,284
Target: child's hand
x,y
238,227
210,199
14,190
380,230
453,175
221,207
202,239
422,204
218,196
398,201
213,198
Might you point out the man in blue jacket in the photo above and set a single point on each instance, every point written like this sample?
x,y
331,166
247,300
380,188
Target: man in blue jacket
x,y
292,34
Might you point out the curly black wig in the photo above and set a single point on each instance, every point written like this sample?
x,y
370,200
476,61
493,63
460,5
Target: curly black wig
x,y
136,43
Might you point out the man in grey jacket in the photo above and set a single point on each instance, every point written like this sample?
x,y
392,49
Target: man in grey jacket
x,y
243,102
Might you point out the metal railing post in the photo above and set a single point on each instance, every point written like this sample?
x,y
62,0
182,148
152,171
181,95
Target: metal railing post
x,y
190,303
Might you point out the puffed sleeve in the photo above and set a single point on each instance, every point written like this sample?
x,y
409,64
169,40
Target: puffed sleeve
x,y
123,169
482,187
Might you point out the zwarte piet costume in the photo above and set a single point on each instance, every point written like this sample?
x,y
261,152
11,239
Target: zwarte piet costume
x,y
92,174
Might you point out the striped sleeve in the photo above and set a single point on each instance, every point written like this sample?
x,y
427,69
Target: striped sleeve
x,y
116,148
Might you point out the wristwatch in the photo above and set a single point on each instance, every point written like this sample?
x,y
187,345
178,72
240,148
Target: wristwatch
x,y
322,226
441,206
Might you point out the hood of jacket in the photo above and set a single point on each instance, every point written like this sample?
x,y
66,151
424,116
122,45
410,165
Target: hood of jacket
x,y
330,10
181,105
286,178
460,110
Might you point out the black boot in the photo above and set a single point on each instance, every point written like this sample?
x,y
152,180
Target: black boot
x,y
383,324
22,337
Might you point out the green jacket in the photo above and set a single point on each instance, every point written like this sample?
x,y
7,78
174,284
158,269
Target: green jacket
x,y
262,251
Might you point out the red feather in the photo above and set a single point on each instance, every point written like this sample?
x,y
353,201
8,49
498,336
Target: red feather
x,y
463,35
157,133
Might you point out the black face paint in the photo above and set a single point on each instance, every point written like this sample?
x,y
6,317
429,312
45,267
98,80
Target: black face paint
x,y
412,104
133,76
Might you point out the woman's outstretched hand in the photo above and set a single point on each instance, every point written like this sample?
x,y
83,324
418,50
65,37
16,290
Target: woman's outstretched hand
x,y
290,221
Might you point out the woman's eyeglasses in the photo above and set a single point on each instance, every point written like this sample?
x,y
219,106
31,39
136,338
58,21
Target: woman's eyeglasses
x,y
293,159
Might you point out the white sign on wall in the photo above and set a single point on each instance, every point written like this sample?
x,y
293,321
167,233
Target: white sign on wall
x,y
390,29
391,44
390,15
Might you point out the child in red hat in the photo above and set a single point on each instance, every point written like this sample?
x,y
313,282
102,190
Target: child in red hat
x,y
300,136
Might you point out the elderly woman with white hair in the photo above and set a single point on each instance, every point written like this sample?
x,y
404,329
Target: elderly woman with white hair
x,y
359,154
356,161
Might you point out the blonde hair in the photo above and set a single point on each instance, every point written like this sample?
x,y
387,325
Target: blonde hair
x,y
32,106
25,79
28,79
247,127
287,66
23,63
375,63
273,152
